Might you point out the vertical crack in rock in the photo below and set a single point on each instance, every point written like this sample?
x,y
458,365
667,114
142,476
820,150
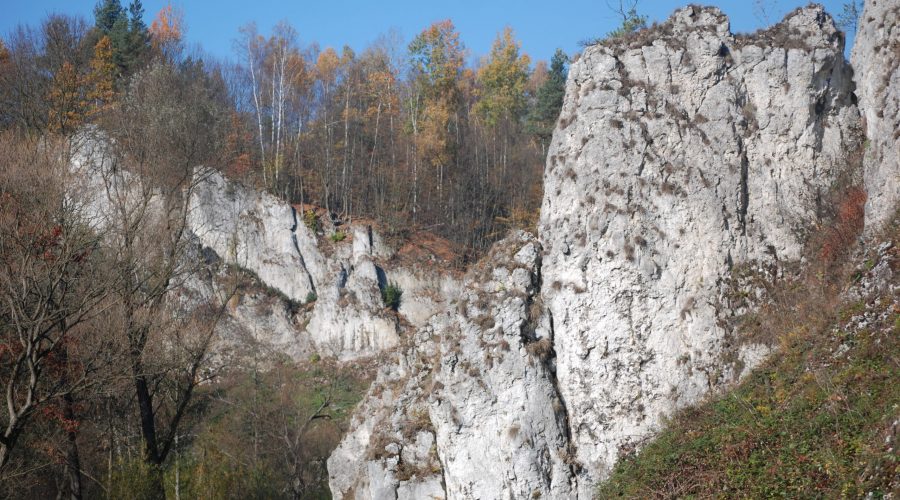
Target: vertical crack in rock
x,y
312,284
745,190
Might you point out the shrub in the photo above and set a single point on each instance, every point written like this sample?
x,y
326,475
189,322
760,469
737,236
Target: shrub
x,y
311,297
390,294
338,236
311,220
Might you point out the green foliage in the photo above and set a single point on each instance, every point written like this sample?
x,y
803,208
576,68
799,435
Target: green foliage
x,y
549,99
133,479
808,424
631,23
241,452
311,297
391,294
213,475
311,220
127,31
502,81
338,236
106,13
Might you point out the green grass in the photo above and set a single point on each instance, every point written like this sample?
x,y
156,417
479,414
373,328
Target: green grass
x,y
809,423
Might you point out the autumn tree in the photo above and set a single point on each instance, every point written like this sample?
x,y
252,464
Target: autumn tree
x,y
436,56
167,31
502,80
101,79
34,68
52,283
501,91
67,102
169,124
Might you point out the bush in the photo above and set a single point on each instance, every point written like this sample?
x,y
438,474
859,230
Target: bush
x,y
390,294
311,297
311,220
338,236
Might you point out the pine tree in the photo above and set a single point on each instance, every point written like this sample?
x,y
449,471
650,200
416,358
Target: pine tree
x,y
126,31
106,13
138,34
542,119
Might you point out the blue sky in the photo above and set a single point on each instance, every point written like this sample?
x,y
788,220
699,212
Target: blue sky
x,y
540,25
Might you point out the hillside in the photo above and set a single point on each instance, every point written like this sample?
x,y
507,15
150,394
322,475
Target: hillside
x,y
820,418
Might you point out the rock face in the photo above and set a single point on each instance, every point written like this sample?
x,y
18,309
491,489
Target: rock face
x,y
683,154
876,62
307,294
685,158
338,280
469,409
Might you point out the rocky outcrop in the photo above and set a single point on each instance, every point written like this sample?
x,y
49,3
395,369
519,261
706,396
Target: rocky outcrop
x,y
305,293
685,158
683,154
337,280
469,409
876,63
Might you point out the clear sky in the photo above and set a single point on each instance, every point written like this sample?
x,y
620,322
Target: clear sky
x,y
542,26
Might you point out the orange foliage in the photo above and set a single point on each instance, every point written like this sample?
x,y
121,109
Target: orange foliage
x,y
167,29
4,53
102,77
848,223
66,101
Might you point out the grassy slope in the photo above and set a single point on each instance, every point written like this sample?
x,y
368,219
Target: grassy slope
x,y
818,420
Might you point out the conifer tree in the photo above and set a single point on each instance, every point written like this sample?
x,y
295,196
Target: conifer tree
x,y
106,13
138,34
542,119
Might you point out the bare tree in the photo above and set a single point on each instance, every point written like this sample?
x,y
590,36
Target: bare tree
x,y
168,126
52,284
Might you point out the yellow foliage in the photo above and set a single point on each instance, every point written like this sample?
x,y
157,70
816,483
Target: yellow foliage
x,y
502,80
66,101
102,77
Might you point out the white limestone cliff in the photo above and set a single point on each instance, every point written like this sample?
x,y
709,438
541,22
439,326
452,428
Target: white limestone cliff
x,y
683,154
876,64
469,409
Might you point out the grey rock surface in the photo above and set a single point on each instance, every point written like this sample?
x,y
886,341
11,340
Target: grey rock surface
x,y
683,153
876,63
469,407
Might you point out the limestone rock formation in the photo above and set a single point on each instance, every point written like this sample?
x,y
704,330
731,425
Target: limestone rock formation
x,y
469,408
309,295
683,154
685,157
339,280
876,64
